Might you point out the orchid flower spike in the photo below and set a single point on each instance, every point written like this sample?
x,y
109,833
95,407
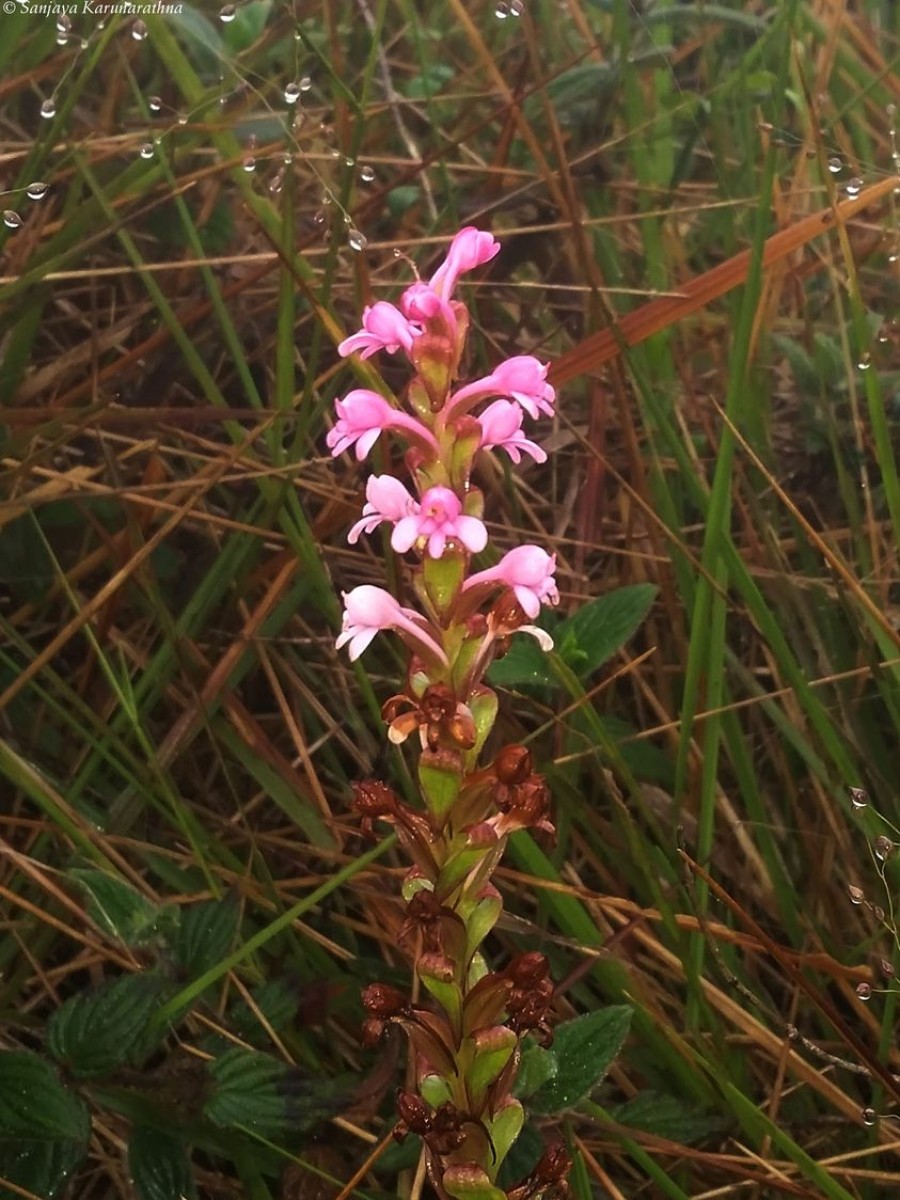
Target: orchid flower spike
x,y
384,327
386,500
501,428
522,378
437,519
469,249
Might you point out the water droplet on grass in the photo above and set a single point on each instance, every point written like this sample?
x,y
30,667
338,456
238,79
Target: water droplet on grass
x,y
865,362
277,183
227,13
367,174
869,1116
139,31
516,8
63,23
854,186
859,797
146,150
292,92
882,847
11,219
835,165
856,894
48,109
249,163
154,103
305,83
864,991
36,190
501,12
356,240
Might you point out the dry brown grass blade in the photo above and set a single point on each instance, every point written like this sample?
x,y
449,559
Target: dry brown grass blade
x,y
643,322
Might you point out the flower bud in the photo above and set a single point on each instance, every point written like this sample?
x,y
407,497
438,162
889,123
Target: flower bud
x,y
513,764
383,1001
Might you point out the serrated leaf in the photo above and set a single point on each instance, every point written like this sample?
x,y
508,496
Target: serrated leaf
x,y
35,1103
44,1127
205,934
159,1166
248,1092
98,1030
115,907
584,1050
275,1001
604,625
667,1116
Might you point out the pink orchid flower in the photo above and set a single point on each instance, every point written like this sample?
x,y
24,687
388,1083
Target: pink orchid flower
x,y
384,327
528,570
469,249
438,518
386,500
522,378
501,427
362,415
369,610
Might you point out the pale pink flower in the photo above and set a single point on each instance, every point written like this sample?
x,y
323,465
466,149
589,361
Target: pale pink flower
x,y
528,570
386,500
384,327
522,378
470,248
439,518
501,428
369,609
362,415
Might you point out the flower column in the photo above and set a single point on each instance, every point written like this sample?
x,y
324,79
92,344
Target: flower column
x,y
465,1048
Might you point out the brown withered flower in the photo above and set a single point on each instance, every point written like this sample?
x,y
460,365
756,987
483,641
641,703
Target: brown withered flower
x,y
521,795
382,1003
441,928
529,1005
439,1128
548,1180
440,718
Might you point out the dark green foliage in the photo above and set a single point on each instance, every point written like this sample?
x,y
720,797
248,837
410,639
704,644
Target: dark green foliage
x,y
102,1028
584,1050
159,1166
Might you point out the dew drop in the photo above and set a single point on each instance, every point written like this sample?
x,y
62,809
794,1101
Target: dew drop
x,y
516,8
292,92
348,161
139,31
319,217
367,174
864,991
146,150
890,109
305,83
835,165
869,1116
287,158
277,183
356,240
855,893
859,797
249,164
182,119
882,847
335,154
227,13
63,23
854,186
48,109
893,257
11,219
36,190
62,39
154,103
501,12
397,252
864,363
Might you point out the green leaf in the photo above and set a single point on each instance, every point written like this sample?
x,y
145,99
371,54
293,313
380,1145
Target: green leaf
x,y
248,1092
247,26
205,934
159,1166
44,1128
583,1049
536,1067
34,1103
604,625
524,664
98,1030
667,1116
115,906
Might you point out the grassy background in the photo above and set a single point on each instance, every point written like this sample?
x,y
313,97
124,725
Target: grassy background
x,y
172,549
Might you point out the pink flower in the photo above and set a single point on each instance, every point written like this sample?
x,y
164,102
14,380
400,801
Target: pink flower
x,y
383,328
362,415
522,378
368,610
386,500
501,426
470,248
528,570
438,518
